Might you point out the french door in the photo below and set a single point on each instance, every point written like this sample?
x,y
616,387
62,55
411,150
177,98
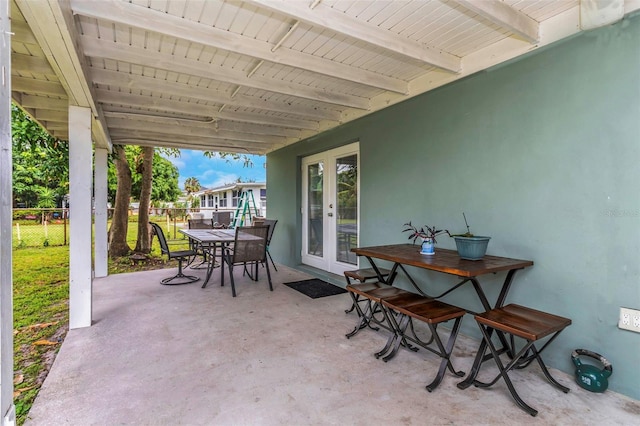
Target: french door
x,y
330,212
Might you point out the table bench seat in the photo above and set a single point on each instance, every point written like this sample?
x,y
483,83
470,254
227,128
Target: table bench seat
x,y
398,308
363,275
369,292
432,312
528,324
429,311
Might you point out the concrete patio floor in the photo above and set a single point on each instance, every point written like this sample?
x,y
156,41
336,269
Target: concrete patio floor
x,y
185,355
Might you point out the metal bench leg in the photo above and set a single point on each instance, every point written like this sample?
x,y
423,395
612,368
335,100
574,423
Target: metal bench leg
x,y
504,370
354,299
364,317
445,353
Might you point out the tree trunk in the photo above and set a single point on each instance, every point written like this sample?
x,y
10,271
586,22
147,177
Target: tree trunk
x,y
118,233
143,243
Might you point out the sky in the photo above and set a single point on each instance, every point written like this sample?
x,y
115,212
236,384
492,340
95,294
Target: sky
x,y
213,172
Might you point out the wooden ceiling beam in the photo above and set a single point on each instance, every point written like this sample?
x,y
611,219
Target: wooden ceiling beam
x,y
199,145
23,33
42,87
50,115
326,17
53,26
148,19
205,141
43,102
148,102
202,130
128,81
506,17
234,126
143,57
32,64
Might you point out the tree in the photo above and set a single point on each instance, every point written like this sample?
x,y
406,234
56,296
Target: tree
x,y
119,225
46,198
40,163
191,185
230,156
152,178
165,176
165,180
145,169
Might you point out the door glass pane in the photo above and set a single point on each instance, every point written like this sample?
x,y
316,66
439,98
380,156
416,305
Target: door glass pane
x,y
347,200
315,208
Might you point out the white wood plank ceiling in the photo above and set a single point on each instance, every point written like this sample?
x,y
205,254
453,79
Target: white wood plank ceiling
x,y
254,76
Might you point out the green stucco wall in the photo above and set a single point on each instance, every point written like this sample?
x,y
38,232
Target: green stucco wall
x,y
542,154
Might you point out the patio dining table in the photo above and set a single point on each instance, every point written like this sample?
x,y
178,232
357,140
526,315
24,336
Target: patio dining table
x,y
448,262
210,240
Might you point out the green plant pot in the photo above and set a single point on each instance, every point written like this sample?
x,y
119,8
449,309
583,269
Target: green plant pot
x,y
472,248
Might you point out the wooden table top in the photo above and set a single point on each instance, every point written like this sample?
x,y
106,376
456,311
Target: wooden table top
x,y
444,260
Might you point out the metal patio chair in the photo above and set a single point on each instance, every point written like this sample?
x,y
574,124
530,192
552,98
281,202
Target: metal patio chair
x,y
180,256
221,219
271,223
249,247
201,251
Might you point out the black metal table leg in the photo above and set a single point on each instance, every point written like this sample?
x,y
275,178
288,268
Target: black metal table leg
x,y
211,264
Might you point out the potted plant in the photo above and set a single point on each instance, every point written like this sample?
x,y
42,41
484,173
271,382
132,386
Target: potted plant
x,y
470,247
428,235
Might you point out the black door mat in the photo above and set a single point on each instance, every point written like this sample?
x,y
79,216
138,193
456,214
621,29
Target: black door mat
x,y
315,288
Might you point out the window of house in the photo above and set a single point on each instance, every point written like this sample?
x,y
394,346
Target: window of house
x,y
223,200
235,198
263,200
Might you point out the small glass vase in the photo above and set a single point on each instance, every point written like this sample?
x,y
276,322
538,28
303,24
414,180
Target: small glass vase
x,y
428,247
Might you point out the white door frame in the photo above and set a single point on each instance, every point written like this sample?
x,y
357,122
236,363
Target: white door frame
x,y
328,261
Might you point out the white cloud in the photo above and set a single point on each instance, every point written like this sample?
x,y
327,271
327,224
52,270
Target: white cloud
x,y
178,162
214,178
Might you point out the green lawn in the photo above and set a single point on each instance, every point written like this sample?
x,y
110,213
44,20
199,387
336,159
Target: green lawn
x,y
40,308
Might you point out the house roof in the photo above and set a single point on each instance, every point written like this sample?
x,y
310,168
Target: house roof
x,y
230,186
257,75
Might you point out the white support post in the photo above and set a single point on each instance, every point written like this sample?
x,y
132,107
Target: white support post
x,y
100,219
80,173
7,409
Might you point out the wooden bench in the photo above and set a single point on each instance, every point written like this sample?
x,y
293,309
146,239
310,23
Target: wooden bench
x,y
432,312
362,292
528,324
366,274
398,308
363,275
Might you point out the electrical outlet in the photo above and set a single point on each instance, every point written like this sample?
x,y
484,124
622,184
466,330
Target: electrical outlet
x,y
629,319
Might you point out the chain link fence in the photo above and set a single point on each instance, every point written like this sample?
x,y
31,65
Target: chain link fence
x,y
40,227
50,227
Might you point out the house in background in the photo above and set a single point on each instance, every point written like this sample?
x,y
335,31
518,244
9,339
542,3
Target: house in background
x,y
227,197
